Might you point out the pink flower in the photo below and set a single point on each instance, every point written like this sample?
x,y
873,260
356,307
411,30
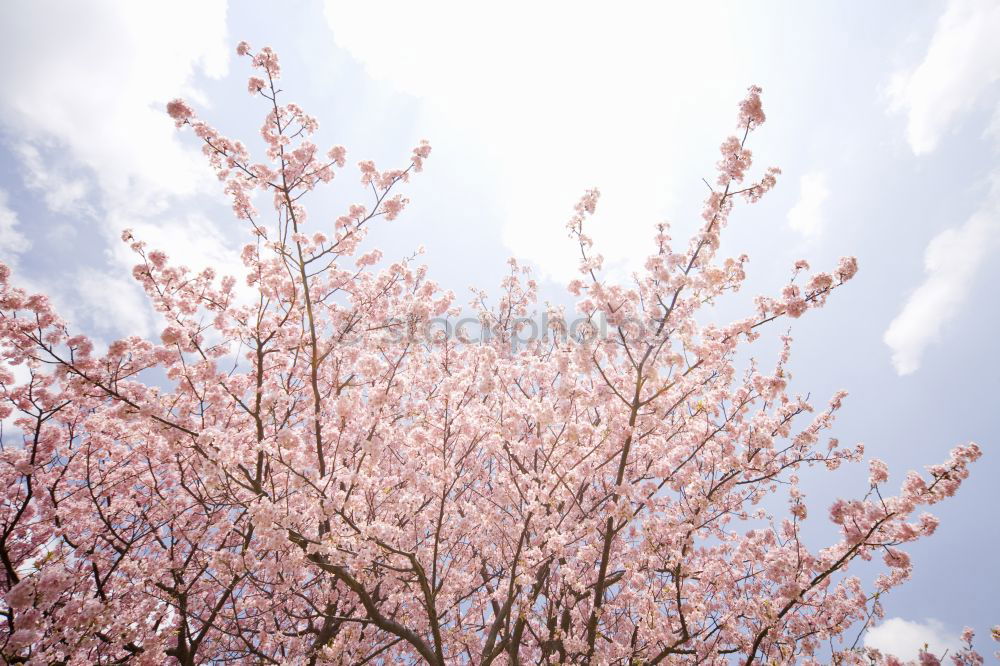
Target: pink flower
x,y
158,258
242,48
878,472
179,111
420,153
766,184
588,202
393,206
929,523
255,84
20,596
896,558
423,150
928,659
819,283
171,335
117,348
368,171
24,637
847,269
751,111
267,60
339,155
734,163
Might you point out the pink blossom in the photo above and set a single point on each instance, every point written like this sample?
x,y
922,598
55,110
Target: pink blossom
x,y
20,596
171,335
255,84
847,269
878,471
751,110
24,637
267,60
734,163
754,193
588,203
928,659
420,153
179,111
928,523
897,558
368,171
393,206
339,155
158,258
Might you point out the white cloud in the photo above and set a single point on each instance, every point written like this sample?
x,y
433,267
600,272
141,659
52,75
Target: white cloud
x,y
565,96
904,638
110,306
62,193
12,241
62,235
993,129
84,105
90,80
806,216
951,261
962,62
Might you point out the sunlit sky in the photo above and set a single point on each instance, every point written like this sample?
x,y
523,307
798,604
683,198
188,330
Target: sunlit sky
x,y
884,117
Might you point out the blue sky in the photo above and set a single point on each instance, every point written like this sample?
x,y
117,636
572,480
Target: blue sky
x,y
884,117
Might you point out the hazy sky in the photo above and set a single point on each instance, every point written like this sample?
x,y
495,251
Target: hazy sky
x,y
884,117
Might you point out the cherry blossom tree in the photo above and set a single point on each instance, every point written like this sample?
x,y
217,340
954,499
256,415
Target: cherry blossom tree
x,y
303,470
